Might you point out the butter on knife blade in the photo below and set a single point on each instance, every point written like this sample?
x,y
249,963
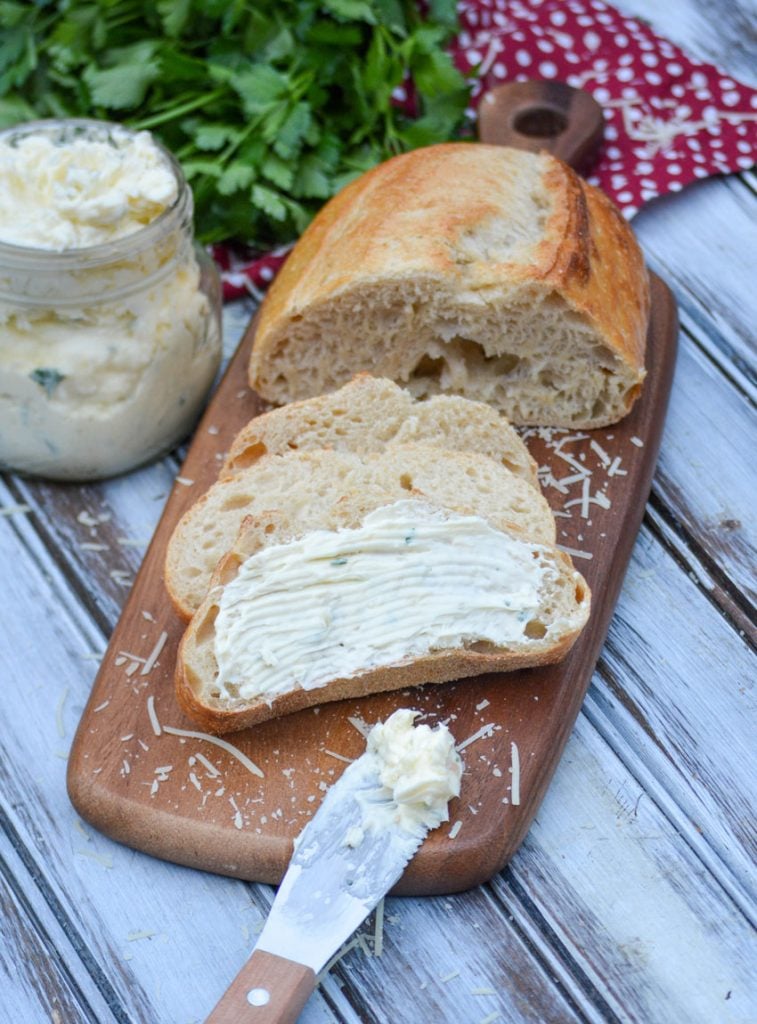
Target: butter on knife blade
x,y
369,826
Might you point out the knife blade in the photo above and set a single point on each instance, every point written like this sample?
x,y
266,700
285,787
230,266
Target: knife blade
x,y
340,870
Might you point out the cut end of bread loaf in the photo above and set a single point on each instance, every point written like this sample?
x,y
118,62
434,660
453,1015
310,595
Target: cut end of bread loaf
x,y
543,636
532,358
507,281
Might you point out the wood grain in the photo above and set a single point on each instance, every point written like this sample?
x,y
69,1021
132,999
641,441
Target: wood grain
x,y
282,988
247,829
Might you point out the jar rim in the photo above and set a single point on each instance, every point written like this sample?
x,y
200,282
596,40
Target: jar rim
x,y
19,256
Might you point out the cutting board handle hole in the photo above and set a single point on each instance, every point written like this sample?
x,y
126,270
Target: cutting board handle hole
x,y
540,122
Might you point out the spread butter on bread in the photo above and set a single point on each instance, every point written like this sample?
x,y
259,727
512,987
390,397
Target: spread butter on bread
x,y
310,485
412,593
474,270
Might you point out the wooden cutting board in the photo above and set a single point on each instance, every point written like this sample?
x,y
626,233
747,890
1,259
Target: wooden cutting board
x,y
137,774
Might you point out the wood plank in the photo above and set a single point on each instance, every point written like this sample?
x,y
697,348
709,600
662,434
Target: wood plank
x,y
705,470
679,698
41,976
703,241
138,919
617,888
725,39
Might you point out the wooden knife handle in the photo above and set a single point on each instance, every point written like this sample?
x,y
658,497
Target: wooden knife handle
x,y
567,122
268,990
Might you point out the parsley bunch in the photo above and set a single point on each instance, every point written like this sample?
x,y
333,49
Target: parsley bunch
x,y
271,106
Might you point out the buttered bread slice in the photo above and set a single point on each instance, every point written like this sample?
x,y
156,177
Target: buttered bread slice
x,y
371,412
306,487
412,594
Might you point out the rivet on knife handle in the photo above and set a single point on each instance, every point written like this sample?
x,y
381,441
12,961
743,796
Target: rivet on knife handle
x,y
566,122
268,990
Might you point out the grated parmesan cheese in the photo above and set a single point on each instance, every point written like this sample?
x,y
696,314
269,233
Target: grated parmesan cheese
x,y
483,704
59,723
102,858
208,765
153,716
154,654
184,481
455,830
145,933
448,977
339,757
515,771
378,929
574,552
14,510
485,730
637,441
218,742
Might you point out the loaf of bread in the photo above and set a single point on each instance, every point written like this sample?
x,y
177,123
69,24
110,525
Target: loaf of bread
x,y
371,412
409,593
310,485
473,270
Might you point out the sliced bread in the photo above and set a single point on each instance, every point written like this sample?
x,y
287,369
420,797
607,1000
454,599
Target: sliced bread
x,y
371,412
474,270
413,594
309,484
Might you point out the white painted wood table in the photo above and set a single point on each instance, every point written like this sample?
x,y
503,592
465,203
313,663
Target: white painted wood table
x,y
631,898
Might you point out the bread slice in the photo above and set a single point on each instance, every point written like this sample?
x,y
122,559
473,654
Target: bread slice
x,y
424,612
371,412
473,270
309,484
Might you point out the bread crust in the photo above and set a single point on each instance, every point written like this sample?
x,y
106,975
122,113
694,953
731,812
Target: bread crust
x,y
398,221
441,667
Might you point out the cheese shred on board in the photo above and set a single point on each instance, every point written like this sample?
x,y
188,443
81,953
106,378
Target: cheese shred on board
x,y
218,742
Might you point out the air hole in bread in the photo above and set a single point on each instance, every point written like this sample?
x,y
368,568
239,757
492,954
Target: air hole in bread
x,y
229,569
204,632
406,481
428,367
250,455
235,501
535,629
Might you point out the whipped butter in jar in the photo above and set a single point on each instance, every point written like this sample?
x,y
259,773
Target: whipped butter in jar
x,y
109,313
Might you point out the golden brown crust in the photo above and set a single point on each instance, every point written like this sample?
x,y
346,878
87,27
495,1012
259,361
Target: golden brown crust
x,y
443,667
407,216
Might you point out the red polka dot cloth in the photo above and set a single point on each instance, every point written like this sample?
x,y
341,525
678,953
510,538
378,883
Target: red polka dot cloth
x,y
669,118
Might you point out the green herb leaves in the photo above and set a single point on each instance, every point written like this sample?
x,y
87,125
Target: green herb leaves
x,y
271,105
47,378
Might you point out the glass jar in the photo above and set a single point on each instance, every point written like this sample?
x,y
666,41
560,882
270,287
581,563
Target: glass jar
x,y
107,352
